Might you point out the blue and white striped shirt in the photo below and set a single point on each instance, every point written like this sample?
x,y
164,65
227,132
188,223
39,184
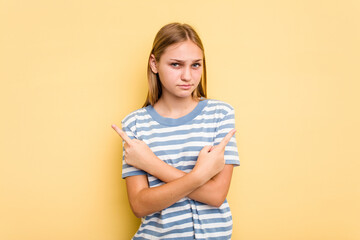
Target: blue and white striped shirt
x,y
178,143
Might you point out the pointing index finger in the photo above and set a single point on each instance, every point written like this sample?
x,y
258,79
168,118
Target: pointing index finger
x,y
226,139
122,134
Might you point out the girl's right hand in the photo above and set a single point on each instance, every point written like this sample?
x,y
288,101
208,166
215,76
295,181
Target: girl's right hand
x,y
211,158
137,153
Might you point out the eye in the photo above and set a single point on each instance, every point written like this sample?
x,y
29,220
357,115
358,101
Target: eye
x,y
196,65
175,64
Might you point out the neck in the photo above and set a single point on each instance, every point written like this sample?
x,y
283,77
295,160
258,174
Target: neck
x,y
175,108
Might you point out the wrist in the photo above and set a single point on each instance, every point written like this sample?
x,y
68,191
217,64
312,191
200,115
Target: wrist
x,y
154,164
199,177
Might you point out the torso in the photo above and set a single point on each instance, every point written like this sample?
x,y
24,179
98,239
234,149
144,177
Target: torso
x,y
178,143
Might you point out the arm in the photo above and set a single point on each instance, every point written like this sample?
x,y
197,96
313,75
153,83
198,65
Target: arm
x,y
144,200
213,192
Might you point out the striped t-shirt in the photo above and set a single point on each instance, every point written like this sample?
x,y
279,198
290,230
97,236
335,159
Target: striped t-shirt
x,y
178,143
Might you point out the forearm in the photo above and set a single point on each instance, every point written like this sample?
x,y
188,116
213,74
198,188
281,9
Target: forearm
x,y
145,200
210,164
213,192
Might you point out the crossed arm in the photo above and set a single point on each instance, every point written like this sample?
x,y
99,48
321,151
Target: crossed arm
x,y
208,182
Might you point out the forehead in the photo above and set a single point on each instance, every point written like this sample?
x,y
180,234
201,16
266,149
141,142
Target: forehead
x,y
186,50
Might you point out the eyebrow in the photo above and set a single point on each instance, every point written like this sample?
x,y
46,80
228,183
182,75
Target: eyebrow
x,y
197,60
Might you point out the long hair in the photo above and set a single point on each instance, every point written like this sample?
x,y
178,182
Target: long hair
x,y
169,34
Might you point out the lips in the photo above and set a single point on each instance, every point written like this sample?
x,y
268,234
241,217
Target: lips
x,y
185,86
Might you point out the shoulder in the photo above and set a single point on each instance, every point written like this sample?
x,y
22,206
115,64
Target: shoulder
x,y
134,116
219,106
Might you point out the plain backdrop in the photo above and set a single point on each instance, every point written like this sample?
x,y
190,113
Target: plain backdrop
x,y
70,69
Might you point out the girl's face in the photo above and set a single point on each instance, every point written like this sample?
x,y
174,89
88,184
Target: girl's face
x,y
180,69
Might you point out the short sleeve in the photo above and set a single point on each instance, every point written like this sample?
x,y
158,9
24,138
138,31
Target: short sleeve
x,y
128,170
225,125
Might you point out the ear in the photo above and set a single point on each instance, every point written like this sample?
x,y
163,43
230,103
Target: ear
x,y
152,63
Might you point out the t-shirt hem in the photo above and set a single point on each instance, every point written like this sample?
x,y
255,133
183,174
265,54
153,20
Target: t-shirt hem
x,y
235,163
133,174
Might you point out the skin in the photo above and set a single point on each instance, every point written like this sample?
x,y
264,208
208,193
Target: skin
x,y
180,69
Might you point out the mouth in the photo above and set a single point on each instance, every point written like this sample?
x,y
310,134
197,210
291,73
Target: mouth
x,y
185,86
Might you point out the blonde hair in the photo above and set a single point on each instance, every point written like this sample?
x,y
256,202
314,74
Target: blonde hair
x,y
170,34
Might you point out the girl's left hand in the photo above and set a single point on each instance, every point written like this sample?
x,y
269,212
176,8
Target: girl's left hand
x,y
137,153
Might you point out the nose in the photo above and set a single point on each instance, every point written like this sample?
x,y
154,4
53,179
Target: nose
x,y
186,74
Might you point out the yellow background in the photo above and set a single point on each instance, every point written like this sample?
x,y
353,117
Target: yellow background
x,y
69,69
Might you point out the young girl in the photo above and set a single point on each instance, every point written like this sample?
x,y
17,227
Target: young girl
x,y
179,149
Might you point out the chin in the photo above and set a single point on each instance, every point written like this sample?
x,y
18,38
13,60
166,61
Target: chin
x,y
187,95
